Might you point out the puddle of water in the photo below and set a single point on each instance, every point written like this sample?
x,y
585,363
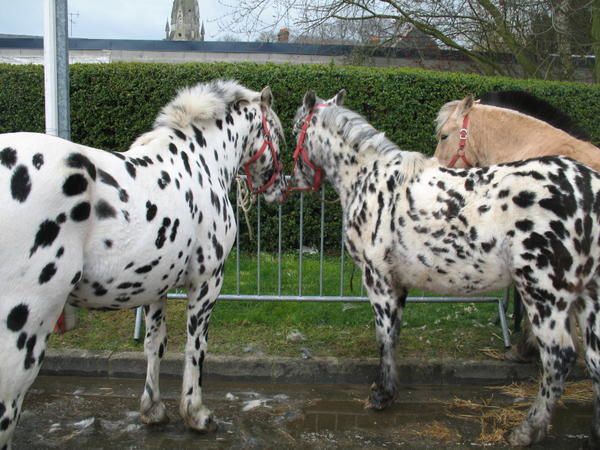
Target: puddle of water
x,y
339,415
84,413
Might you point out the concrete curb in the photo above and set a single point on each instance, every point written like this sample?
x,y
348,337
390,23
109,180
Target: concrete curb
x,y
290,370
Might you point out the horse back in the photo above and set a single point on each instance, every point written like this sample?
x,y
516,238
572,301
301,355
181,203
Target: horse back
x,y
471,230
124,218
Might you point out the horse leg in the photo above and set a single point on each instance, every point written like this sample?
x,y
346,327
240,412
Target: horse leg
x,y
152,409
25,326
518,309
201,302
388,306
526,349
589,324
557,353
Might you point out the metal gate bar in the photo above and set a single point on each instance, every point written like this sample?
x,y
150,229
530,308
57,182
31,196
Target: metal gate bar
x,y
341,299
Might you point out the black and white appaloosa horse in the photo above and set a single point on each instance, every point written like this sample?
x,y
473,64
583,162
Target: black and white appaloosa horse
x,y
118,230
412,223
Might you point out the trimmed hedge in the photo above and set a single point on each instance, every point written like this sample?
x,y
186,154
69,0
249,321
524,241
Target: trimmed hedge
x,y
111,104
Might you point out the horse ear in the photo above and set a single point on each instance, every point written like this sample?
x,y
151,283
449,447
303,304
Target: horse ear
x,y
466,104
340,97
309,100
266,96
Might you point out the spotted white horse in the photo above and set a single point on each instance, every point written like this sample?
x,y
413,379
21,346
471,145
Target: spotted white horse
x,y
412,223
118,230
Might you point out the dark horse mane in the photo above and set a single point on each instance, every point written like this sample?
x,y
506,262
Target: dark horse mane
x,y
536,107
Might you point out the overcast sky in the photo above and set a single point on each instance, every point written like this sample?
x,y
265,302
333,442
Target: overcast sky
x,y
110,19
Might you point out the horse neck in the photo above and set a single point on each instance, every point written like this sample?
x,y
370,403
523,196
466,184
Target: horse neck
x,y
345,166
222,148
336,167
498,136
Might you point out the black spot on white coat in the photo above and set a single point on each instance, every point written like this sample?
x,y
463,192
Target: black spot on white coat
x,y
20,184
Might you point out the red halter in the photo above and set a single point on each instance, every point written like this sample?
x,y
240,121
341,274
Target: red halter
x,y
302,151
277,164
460,152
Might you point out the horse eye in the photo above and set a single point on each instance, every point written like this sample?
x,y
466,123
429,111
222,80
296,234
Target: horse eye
x,y
444,137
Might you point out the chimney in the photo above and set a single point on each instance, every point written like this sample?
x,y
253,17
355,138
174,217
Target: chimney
x,y
283,35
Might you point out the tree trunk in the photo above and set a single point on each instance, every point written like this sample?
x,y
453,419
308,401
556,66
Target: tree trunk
x,y
560,12
525,60
596,37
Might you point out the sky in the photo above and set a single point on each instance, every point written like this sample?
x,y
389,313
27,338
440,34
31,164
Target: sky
x,y
110,19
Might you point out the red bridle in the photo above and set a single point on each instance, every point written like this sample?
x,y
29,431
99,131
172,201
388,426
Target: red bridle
x,y
267,143
302,151
460,152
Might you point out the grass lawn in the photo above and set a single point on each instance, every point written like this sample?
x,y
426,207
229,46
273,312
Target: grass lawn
x,y
458,330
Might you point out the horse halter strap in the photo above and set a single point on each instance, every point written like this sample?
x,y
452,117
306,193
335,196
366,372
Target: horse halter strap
x,y
302,151
460,152
267,143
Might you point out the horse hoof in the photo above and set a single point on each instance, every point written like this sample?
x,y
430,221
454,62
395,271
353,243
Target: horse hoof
x,y
525,435
209,426
155,415
517,439
379,399
201,421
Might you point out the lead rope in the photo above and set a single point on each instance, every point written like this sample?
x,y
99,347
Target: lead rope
x,y
245,200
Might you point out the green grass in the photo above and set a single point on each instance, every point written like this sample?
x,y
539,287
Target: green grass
x,y
330,329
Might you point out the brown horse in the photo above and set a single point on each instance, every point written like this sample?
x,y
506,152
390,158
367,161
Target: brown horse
x,y
496,135
503,127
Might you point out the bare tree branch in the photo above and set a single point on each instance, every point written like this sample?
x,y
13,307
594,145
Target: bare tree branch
x,y
530,30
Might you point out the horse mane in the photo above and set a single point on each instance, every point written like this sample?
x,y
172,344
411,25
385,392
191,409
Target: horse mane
x,y
533,106
444,114
360,135
205,101
355,130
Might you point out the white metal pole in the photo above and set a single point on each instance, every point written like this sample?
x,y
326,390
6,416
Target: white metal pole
x,y
56,84
50,67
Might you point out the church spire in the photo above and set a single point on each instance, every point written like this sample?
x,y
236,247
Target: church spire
x,y
185,21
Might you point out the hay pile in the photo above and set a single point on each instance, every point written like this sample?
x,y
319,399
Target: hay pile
x,y
438,431
496,420
575,391
493,353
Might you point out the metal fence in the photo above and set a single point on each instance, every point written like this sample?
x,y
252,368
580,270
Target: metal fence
x,y
342,296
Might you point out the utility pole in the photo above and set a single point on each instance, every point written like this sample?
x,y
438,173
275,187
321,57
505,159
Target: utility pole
x,y
56,87
56,68
72,21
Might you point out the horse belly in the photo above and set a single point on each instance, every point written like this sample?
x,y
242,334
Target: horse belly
x,y
138,268
123,283
458,284
474,275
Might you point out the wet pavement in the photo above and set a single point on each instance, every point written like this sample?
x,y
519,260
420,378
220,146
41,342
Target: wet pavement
x,y
100,413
